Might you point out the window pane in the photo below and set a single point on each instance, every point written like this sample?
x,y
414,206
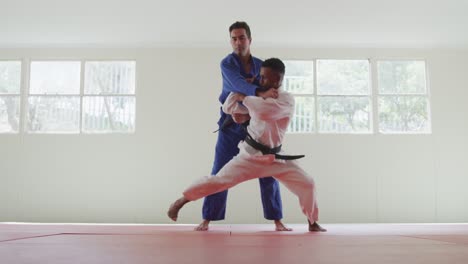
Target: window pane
x,y
403,114
53,114
299,78
10,77
9,114
55,77
343,77
344,114
115,77
109,114
402,77
304,115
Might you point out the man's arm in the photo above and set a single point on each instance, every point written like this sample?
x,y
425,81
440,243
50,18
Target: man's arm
x,y
232,106
235,82
270,108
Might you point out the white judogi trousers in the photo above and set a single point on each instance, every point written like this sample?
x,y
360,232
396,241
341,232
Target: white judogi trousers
x,y
245,167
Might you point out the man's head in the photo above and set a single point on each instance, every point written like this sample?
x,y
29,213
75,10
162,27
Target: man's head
x,y
240,38
272,73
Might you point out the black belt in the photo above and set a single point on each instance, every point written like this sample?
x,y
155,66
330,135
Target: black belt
x,y
266,150
228,121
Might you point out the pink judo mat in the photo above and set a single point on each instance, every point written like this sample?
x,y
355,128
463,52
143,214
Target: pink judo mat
x,y
224,244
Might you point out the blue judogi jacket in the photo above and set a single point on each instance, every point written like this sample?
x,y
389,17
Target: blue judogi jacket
x,y
232,82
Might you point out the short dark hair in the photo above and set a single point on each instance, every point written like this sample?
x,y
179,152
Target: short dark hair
x,y
238,25
275,64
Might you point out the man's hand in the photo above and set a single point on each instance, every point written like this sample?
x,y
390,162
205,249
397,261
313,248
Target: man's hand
x,y
270,93
240,118
240,97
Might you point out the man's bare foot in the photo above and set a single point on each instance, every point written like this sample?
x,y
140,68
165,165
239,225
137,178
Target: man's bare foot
x,y
279,226
175,207
315,227
203,226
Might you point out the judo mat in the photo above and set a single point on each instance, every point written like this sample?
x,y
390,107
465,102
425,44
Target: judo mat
x,y
342,243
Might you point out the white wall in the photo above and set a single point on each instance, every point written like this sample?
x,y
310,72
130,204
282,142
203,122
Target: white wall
x,y
134,178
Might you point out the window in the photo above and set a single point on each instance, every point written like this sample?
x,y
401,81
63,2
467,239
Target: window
x,y
341,103
299,80
403,100
335,96
109,101
343,96
10,83
54,97
63,99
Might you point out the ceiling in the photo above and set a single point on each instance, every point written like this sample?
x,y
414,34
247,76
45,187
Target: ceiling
x,y
312,23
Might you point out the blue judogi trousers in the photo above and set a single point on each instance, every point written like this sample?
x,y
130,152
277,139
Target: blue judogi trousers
x,y
214,206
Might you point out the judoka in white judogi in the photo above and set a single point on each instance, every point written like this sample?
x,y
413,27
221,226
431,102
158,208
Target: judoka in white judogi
x,y
270,115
